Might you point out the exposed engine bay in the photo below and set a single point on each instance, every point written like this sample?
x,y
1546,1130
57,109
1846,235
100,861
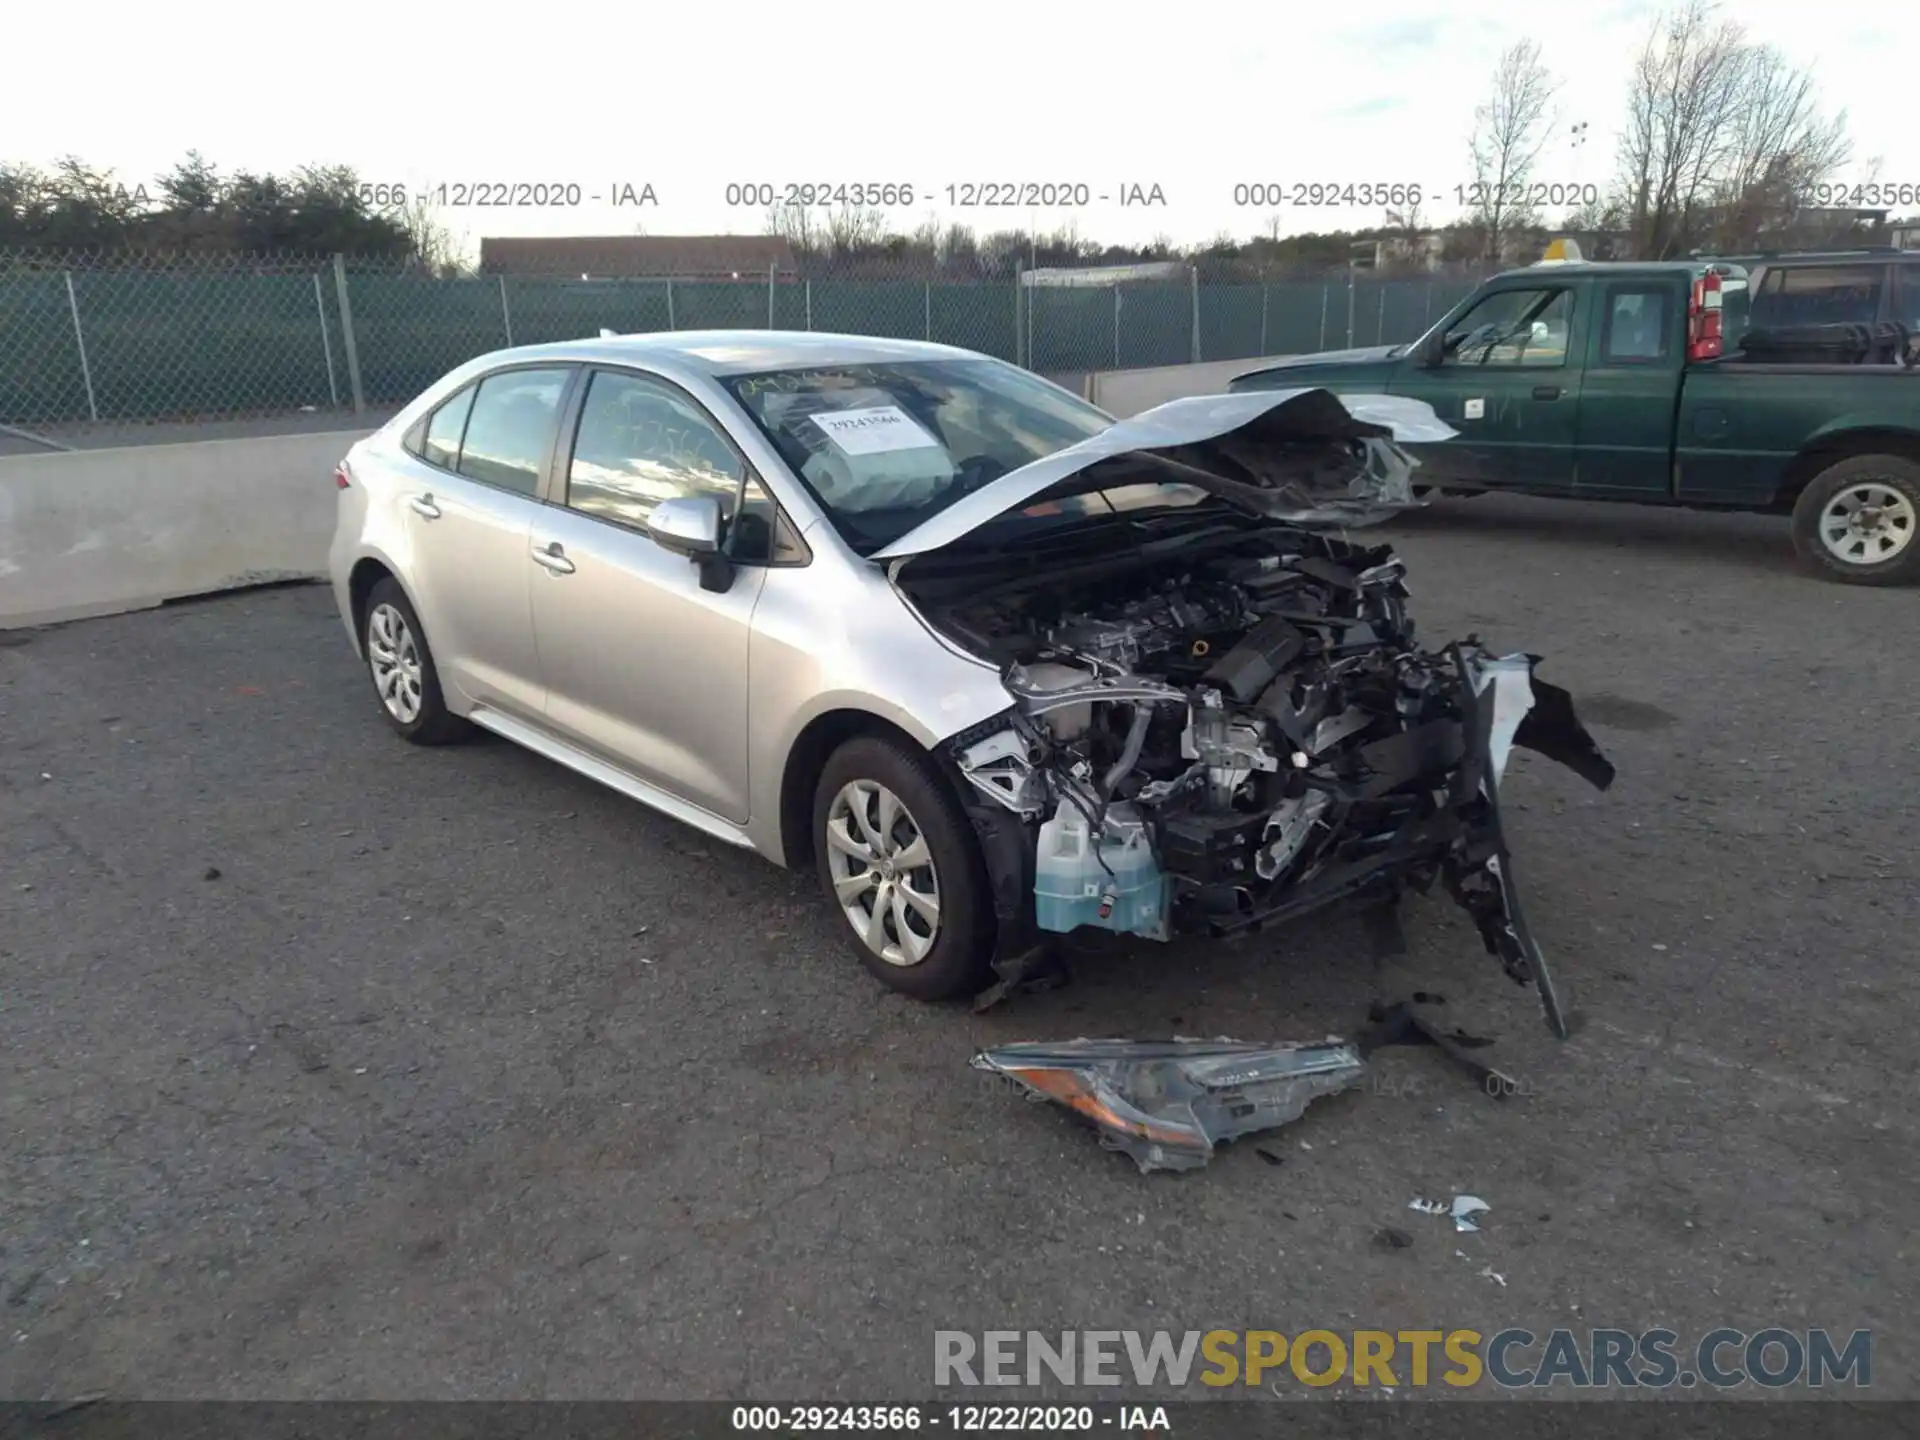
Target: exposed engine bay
x,y
1223,722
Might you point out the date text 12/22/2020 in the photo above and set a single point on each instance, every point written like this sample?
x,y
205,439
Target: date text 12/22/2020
x,y
954,1419
509,194
1363,194
962,195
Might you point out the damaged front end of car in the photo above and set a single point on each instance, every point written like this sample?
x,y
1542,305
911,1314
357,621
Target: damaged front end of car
x,y
1220,717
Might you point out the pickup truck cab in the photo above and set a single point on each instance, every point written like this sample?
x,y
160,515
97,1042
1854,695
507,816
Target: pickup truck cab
x,y
1625,382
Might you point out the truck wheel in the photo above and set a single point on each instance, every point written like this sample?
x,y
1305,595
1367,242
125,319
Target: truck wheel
x,y
1858,521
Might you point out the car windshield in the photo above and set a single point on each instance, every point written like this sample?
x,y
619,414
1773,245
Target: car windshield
x,y
885,447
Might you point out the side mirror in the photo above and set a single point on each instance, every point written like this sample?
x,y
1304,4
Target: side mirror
x,y
687,525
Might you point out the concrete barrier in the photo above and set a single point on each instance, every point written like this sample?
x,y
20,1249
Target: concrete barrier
x,y
96,532
99,531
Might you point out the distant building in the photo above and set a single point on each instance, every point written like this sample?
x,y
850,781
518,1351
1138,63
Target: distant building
x,y
1107,275
601,257
1422,251
1838,215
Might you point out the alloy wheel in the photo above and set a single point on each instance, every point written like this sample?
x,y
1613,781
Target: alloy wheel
x,y
883,872
393,655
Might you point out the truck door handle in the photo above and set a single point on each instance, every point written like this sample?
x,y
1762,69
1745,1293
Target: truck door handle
x,y
554,558
423,505
1546,392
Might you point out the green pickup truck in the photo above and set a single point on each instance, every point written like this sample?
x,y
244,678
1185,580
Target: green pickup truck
x,y
1660,384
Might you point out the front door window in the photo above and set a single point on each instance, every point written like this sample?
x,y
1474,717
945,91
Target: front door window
x,y
1524,329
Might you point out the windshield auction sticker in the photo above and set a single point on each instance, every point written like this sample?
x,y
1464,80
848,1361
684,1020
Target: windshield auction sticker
x,y
874,431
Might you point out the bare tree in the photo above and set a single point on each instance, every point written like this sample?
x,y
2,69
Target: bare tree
x,y
800,227
1509,132
925,239
435,247
1682,116
1781,150
1001,252
958,250
1724,141
1407,244
851,229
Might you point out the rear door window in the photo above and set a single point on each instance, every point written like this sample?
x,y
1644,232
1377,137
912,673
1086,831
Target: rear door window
x,y
442,443
510,432
1818,295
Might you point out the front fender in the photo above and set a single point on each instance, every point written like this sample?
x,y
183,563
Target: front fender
x,y
830,639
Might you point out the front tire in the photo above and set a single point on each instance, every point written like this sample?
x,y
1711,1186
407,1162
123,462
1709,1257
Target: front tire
x,y
401,666
901,868
1858,521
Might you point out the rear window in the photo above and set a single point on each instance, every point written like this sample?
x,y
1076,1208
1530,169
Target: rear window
x,y
1818,295
1637,328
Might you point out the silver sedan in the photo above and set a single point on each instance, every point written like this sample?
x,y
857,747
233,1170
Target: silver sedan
x,y
998,665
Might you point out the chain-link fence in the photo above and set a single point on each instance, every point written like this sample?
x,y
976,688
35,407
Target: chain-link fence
x,y
113,337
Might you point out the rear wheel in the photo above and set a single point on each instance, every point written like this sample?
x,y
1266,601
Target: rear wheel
x,y
1858,522
401,667
900,865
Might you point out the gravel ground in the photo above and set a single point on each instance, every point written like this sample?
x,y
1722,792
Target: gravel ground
x,y
336,1068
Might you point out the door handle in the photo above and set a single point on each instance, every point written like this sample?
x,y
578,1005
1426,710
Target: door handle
x,y
554,558
423,505
1546,392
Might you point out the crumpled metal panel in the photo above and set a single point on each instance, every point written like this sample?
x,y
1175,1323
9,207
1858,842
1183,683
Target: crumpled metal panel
x,y
1214,437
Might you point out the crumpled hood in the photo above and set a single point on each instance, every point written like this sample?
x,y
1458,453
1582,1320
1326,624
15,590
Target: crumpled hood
x,y
1209,440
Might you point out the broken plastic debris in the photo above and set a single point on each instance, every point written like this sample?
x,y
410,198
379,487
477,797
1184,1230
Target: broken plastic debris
x,y
1400,1024
1168,1103
1491,1274
1462,1208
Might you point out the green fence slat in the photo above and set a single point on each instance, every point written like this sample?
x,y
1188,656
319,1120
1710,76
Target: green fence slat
x,y
231,335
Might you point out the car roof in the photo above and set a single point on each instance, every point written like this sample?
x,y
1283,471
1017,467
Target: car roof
x,y
1605,267
1822,257
737,352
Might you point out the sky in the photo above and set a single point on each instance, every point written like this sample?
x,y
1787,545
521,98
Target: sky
x,y
687,98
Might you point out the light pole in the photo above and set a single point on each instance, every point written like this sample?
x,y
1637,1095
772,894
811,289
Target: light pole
x,y
1577,142
1361,254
